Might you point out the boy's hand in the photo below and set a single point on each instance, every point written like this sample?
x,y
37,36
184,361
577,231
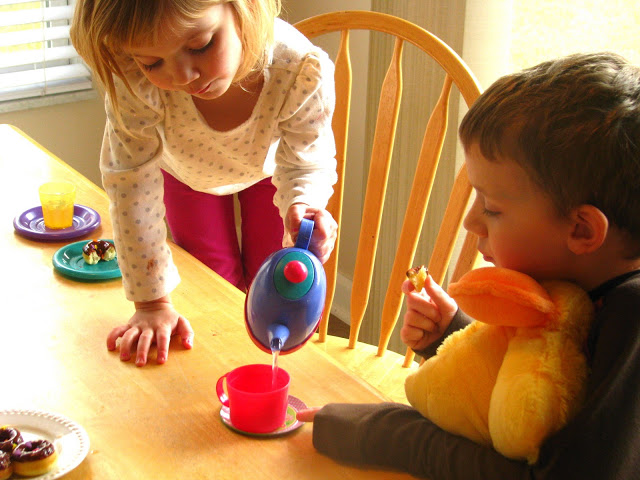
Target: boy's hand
x,y
308,414
154,321
428,315
325,230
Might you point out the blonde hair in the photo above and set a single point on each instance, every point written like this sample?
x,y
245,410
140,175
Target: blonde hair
x,y
102,28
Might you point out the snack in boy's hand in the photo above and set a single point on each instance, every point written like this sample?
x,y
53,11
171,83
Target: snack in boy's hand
x,y
97,250
417,276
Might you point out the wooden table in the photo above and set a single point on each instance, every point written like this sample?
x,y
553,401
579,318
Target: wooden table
x,y
154,422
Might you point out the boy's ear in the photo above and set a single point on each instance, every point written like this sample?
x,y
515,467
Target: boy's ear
x,y
589,230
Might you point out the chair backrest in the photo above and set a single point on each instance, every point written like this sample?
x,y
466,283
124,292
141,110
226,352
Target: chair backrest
x,y
458,74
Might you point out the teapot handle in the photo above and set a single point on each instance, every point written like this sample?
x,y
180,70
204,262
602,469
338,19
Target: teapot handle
x,y
304,235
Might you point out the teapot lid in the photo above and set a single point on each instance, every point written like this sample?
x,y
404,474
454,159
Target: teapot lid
x,y
294,275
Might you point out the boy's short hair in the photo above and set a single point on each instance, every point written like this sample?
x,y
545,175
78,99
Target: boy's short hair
x,y
101,28
574,125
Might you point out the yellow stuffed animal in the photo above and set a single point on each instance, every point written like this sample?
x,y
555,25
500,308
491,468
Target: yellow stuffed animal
x,y
515,375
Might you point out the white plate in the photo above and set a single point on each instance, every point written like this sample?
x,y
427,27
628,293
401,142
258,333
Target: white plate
x,y
70,439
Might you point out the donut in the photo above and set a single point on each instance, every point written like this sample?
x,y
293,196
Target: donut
x,y
34,457
417,276
6,469
97,250
9,438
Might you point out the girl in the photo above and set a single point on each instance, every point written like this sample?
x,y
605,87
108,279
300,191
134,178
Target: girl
x,y
205,98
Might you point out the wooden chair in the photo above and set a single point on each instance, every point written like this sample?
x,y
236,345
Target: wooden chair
x,y
385,371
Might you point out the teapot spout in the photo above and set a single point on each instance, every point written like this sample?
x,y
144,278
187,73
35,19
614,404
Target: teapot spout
x,y
278,335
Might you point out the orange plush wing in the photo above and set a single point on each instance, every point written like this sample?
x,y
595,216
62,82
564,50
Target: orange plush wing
x,y
499,296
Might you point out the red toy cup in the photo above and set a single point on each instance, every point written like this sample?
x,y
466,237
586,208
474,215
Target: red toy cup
x,y
257,403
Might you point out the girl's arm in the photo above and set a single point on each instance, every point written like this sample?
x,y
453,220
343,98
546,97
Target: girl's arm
x,y
305,168
132,178
129,163
305,159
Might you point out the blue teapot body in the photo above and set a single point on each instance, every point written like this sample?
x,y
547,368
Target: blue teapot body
x,y
285,301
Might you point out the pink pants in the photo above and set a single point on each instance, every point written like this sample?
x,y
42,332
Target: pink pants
x,y
204,225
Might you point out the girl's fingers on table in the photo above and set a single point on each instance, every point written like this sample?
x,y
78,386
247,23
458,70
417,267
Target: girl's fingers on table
x,y
144,343
163,337
129,338
183,328
145,338
114,335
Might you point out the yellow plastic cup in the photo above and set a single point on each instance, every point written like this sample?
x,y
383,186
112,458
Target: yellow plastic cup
x,y
57,199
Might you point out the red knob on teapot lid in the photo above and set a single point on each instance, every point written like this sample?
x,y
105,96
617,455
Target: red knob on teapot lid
x,y
295,271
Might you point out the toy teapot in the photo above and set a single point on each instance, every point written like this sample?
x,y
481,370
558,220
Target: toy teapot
x,y
285,300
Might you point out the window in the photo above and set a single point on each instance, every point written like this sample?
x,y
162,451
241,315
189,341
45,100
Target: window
x,y
36,55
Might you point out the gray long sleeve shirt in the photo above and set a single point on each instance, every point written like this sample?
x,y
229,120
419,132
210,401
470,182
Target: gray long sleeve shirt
x,y
601,442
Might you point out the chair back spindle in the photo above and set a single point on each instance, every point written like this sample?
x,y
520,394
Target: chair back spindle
x,y
456,74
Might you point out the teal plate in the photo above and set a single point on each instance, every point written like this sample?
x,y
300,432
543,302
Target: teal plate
x,y
69,262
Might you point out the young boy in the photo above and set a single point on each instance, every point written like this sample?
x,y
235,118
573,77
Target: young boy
x,y
553,154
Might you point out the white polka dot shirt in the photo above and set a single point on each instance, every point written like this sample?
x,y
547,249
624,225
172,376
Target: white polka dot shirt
x,y
288,136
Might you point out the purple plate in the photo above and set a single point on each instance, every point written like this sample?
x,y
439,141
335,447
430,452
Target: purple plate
x,y
30,224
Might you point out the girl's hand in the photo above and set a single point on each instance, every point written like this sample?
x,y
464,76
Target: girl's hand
x,y
154,321
325,230
308,414
428,315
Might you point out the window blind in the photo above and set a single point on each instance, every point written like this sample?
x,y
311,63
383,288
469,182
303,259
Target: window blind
x,y
36,55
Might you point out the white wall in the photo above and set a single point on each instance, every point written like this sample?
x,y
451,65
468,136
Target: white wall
x,y
71,131
296,10
487,35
